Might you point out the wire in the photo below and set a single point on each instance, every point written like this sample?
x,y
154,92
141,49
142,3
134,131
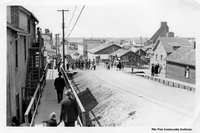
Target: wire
x,y
76,20
71,19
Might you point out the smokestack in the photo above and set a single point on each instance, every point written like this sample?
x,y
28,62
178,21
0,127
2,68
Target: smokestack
x,y
163,24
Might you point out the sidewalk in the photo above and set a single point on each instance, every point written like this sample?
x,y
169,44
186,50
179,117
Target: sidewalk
x,y
49,103
162,79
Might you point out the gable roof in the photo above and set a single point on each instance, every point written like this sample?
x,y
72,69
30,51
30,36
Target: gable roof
x,y
101,47
183,55
121,52
134,49
141,50
169,42
30,13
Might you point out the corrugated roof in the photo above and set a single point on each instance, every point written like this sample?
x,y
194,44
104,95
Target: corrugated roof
x,y
100,47
183,55
165,41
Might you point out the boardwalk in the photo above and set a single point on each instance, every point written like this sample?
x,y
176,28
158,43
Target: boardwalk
x,y
49,101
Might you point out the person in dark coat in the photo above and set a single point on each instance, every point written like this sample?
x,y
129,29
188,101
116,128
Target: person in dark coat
x,y
152,70
69,110
15,121
120,65
67,66
59,84
156,69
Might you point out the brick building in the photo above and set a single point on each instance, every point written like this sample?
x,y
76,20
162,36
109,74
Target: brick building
x,y
180,65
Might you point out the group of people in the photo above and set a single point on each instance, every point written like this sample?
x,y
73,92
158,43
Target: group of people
x,y
81,64
69,106
156,69
118,64
68,112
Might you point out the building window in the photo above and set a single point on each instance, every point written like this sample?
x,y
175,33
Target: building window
x,y
17,106
25,48
16,54
161,57
175,47
187,71
29,25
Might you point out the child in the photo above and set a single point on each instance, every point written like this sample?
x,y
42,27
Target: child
x,y
51,122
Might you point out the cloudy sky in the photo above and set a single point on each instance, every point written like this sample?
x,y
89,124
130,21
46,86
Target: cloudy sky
x,y
115,18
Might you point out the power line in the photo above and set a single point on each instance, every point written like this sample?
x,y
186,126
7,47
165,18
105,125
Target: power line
x,y
71,18
76,20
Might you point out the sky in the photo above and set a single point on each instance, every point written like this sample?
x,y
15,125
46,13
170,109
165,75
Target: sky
x,y
116,18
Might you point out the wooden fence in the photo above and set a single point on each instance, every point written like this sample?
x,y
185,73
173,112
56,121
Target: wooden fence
x,y
82,112
31,111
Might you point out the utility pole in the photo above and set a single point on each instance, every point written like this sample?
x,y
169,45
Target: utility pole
x,y
63,28
56,43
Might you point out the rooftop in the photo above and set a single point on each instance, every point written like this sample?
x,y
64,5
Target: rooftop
x,y
169,42
183,55
101,47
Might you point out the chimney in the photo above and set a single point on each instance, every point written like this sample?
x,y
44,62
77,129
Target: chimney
x,y
170,34
163,24
47,31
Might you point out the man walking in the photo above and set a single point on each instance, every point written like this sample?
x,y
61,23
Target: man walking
x,y
59,84
68,110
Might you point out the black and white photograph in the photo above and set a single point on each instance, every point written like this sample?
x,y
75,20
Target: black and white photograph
x,y
128,65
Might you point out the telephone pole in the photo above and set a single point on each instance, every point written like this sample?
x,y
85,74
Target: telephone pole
x,y
56,43
63,28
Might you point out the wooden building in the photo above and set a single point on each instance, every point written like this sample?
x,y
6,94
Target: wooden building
x,y
128,57
21,38
102,52
164,46
180,65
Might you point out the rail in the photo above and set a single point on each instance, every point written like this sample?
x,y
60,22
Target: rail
x,y
31,111
82,113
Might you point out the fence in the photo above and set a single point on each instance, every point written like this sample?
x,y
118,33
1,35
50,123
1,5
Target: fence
x,y
82,112
31,111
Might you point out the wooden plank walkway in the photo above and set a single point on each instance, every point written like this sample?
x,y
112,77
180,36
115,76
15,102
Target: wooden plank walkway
x,y
49,101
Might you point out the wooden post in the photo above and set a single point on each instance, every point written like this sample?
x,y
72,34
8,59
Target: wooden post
x,y
26,120
84,119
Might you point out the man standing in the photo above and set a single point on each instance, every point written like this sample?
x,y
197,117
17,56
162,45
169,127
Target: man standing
x,y
59,84
152,70
94,64
68,110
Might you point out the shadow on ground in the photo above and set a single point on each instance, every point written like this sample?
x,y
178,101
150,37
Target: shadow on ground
x,y
89,102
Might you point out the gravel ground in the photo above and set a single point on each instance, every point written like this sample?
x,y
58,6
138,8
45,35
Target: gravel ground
x,y
111,107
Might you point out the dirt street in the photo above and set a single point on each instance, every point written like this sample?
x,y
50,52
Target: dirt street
x,y
115,98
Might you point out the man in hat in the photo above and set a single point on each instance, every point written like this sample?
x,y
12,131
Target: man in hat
x,y
69,110
59,84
